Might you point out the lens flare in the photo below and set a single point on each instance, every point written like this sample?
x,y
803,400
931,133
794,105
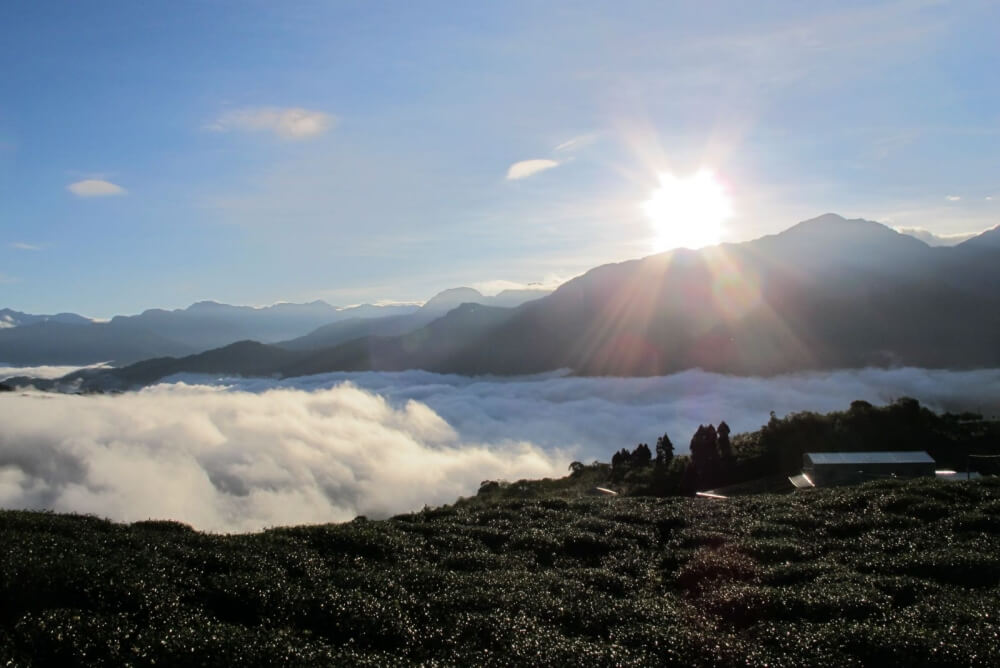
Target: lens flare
x,y
687,212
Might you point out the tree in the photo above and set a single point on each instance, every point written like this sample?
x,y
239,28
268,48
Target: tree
x,y
705,454
725,447
664,451
641,456
621,463
727,464
711,442
698,444
689,478
621,459
576,468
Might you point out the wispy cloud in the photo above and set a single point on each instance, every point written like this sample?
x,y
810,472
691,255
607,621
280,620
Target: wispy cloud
x,y
285,122
95,188
494,287
20,245
48,371
526,168
953,198
7,280
934,239
576,142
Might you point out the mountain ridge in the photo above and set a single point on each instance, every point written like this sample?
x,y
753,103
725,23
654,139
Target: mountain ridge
x,y
204,325
436,307
827,293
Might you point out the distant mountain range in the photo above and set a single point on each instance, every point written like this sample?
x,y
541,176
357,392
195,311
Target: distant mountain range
x,y
355,328
72,339
826,293
9,318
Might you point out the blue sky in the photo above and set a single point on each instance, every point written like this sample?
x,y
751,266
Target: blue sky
x,y
155,153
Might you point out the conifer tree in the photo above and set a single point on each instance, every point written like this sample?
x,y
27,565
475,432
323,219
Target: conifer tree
x,y
664,451
725,447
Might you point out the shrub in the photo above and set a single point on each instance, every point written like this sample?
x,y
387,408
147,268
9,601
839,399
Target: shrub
x,y
708,566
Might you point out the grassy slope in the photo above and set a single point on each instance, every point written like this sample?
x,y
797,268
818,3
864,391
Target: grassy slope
x,y
887,573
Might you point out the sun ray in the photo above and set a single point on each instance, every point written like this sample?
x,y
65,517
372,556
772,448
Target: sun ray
x,y
647,324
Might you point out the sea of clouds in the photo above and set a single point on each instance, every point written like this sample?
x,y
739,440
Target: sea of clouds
x,y
47,372
244,454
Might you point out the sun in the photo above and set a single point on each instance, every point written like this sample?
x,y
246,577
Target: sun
x,y
688,212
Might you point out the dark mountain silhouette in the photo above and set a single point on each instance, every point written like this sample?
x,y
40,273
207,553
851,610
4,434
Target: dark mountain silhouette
x,y
10,318
70,339
988,239
63,343
443,302
827,293
446,300
208,324
514,298
250,357
427,347
339,332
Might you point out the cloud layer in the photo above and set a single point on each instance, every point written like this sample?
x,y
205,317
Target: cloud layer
x,y
95,188
48,372
932,239
285,122
237,455
592,417
525,168
235,461
497,286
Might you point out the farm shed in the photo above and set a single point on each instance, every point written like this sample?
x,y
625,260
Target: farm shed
x,y
840,468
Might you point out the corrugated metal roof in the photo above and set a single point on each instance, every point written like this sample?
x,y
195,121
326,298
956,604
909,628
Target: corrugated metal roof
x,y
899,457
801,481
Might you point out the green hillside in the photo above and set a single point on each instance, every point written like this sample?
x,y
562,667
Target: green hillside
x,y
886,573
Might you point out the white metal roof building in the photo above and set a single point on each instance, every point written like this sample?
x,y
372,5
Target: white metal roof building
x,y
838,468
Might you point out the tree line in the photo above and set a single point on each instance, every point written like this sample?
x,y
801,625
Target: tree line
x,y
955,440
658,470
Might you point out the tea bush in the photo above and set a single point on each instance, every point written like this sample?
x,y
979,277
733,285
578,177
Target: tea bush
x,y
888,573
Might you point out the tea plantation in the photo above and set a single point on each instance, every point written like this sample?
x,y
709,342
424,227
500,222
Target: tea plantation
x,y
888,573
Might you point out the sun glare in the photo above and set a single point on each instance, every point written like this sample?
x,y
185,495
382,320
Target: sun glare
x,y
688,212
